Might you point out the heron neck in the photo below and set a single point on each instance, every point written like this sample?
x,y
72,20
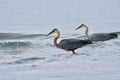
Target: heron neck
x,y
56,38
86,32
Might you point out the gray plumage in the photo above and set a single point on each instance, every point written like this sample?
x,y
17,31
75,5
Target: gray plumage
x,y
103,36
72,44
98,36
68,44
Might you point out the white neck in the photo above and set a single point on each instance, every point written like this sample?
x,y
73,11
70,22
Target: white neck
x,y
55,40
86,32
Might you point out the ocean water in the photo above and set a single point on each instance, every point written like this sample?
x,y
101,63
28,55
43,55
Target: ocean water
x,y
27,54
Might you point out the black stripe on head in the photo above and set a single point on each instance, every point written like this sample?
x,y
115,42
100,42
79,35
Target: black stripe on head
x,y
82,24
55,29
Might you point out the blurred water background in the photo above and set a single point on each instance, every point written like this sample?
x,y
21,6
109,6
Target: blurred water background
x,y
25,52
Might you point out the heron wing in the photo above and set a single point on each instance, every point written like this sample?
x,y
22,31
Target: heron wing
x,y
103,36
71,44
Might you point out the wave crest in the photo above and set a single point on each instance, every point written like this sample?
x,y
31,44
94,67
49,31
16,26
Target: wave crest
x,y
11,36
14,45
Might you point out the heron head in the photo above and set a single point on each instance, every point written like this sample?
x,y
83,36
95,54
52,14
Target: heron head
x,y
53,31
82,25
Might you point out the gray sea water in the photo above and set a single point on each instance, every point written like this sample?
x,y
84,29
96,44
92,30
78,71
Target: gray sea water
x,y
27,54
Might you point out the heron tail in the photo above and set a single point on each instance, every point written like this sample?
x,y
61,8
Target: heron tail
x,y
115,35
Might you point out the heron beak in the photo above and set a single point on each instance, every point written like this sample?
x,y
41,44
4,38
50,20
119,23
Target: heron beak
x,y
50,33
79,27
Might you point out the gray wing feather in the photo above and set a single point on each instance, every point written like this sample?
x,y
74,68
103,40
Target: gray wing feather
x,y
71,44
102,36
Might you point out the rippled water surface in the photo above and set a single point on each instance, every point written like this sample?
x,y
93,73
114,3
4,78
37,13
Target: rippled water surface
x,y
27,54
35,54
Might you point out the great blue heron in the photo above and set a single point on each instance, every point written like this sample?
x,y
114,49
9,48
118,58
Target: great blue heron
x,y
68,44
98,36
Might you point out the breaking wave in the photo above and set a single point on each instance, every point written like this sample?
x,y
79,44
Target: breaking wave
x,y
12,36
14,45
16,40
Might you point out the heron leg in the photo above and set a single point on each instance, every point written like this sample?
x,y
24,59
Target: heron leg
x,y
73,52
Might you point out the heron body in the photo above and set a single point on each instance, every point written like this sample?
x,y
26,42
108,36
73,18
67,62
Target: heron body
x,y
98,36
72,44
103,36
68,44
